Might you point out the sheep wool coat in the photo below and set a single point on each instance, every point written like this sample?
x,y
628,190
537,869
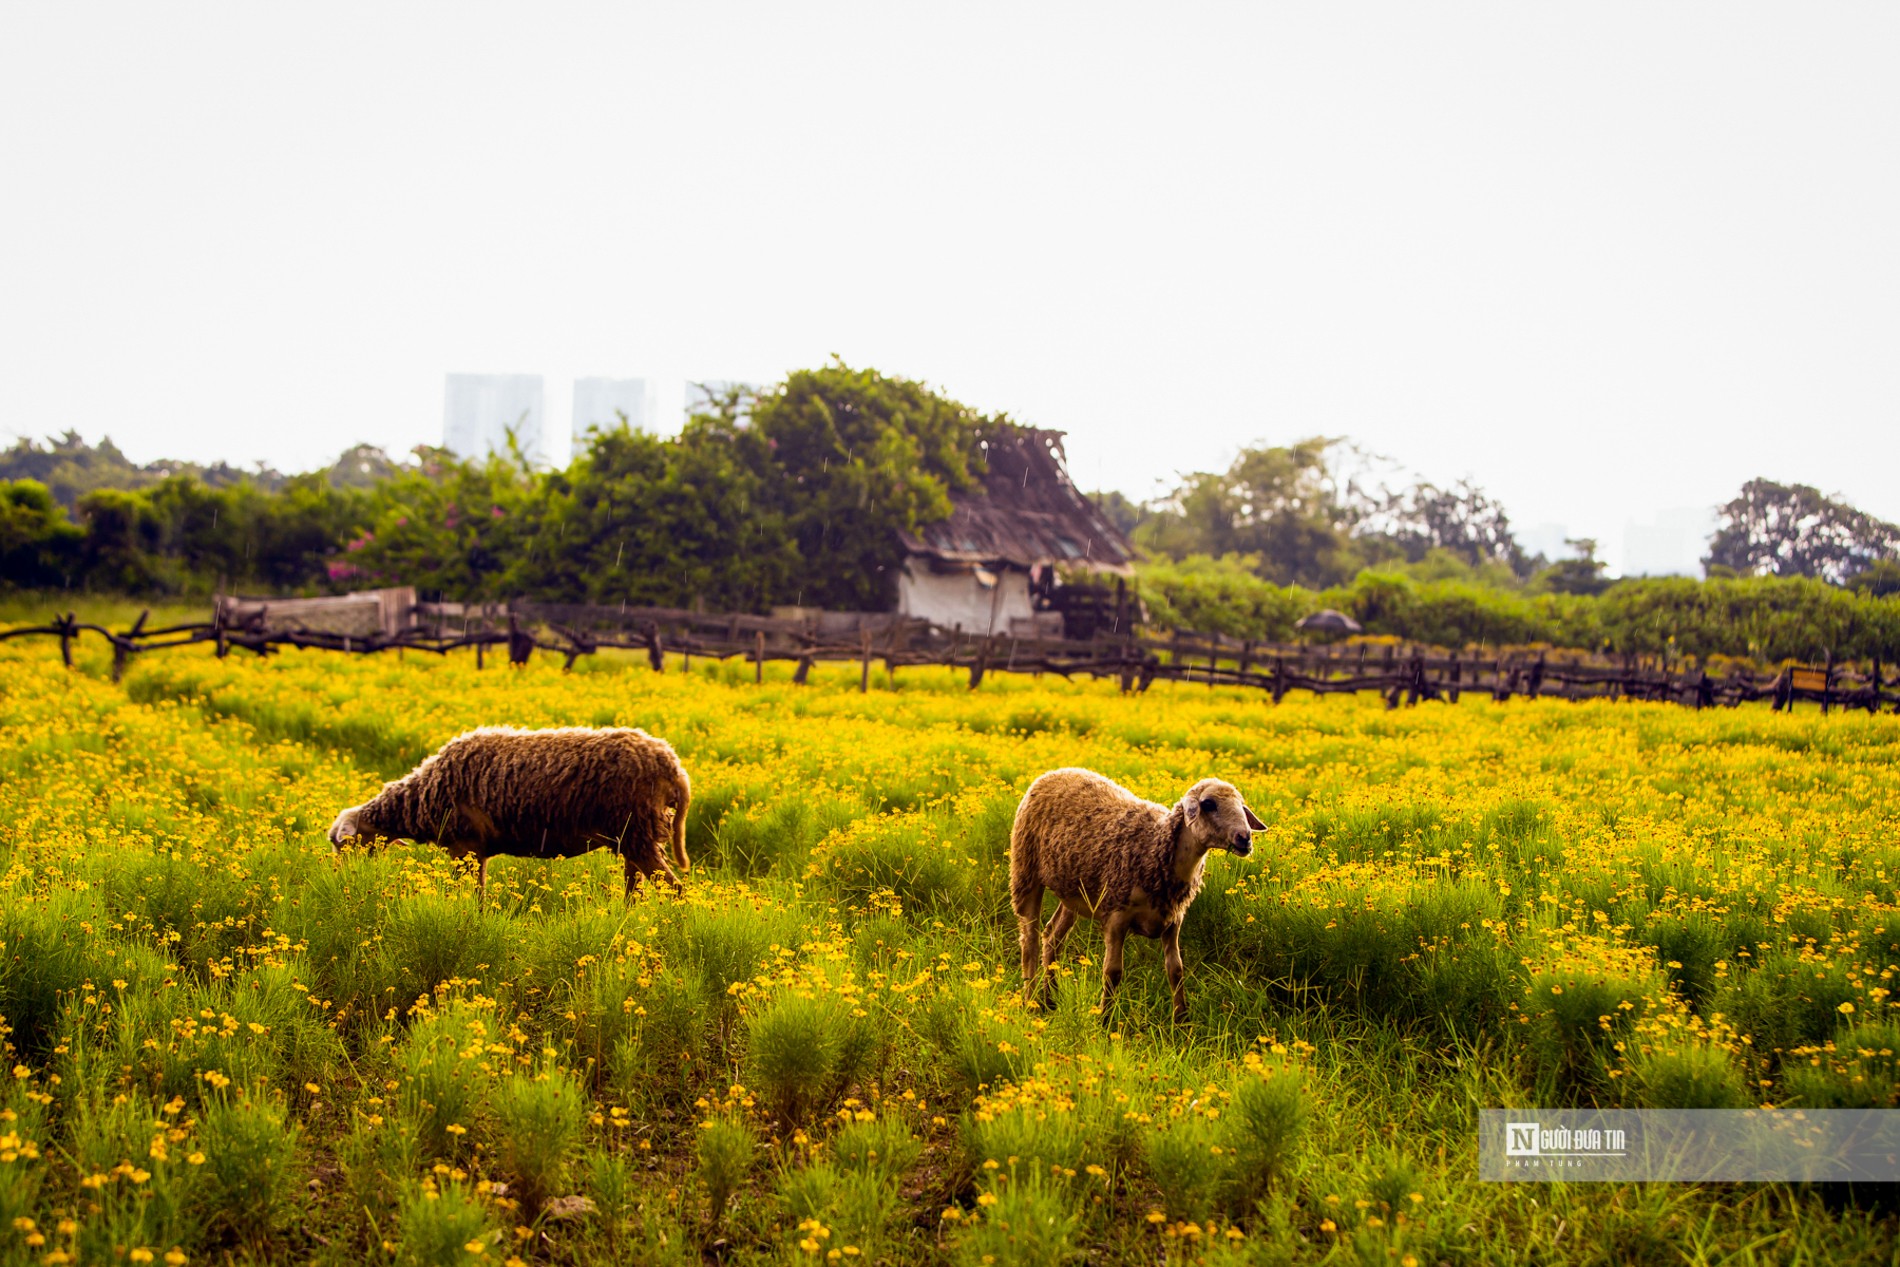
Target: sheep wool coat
x,y
541,794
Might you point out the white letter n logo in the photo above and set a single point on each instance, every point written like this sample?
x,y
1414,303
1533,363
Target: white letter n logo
x,y
1520,1139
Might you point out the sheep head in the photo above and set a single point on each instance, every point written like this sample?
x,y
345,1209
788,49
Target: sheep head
x,y
1214,816
344,830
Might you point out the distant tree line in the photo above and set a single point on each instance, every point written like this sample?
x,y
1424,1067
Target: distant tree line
x,y
1766,618
797,495
794,495
1287,530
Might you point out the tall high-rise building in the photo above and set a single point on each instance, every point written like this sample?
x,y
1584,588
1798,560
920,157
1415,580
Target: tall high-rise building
x,y
481,409
602,402
1671,544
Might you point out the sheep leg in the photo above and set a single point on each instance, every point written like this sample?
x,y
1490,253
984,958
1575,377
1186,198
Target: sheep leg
x,y
1171,939
1112,939
460,849
1028,903
639,868
1052,938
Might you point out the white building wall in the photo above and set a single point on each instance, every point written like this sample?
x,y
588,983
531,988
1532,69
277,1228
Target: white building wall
x,y
956,601
479,410
599,402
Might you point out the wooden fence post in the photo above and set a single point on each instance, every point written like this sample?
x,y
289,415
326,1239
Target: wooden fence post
x,y
66,638
758,667
864,645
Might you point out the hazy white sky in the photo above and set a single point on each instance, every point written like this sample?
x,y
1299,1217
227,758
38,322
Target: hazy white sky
x,y
1605,259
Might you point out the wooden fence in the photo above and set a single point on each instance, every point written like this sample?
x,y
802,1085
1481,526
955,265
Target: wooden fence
x,y
1401,674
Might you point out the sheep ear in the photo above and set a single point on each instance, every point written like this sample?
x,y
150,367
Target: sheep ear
x,y
1189,806
1253,819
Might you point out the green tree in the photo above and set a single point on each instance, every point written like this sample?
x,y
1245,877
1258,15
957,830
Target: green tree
x,y
1279,505
1125,514
1772,529
122,537
39,545
1581,575
858,457
451,528
637,519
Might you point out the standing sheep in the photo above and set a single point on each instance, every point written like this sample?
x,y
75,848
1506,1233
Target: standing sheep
x,y
1109,855
537,794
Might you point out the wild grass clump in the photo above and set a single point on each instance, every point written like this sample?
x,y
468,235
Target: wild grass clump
x,y
1687,1075
1266,1119
443,1222
724,1154
849,1186
535,1130
902,853
250,1183
443,1071
805,1050
1019,1219
1859,1068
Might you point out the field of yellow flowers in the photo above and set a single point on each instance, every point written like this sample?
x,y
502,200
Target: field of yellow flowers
x,y
225,1044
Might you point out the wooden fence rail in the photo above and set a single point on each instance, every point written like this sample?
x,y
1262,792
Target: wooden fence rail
x,y
1401,674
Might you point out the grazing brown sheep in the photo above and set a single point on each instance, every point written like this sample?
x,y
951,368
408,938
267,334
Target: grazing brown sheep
x,y
1109,855
537,794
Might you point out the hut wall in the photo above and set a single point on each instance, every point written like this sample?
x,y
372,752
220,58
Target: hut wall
x,y
955,600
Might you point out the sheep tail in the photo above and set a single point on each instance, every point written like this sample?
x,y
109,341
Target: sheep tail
x,y
682,798
1025,873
